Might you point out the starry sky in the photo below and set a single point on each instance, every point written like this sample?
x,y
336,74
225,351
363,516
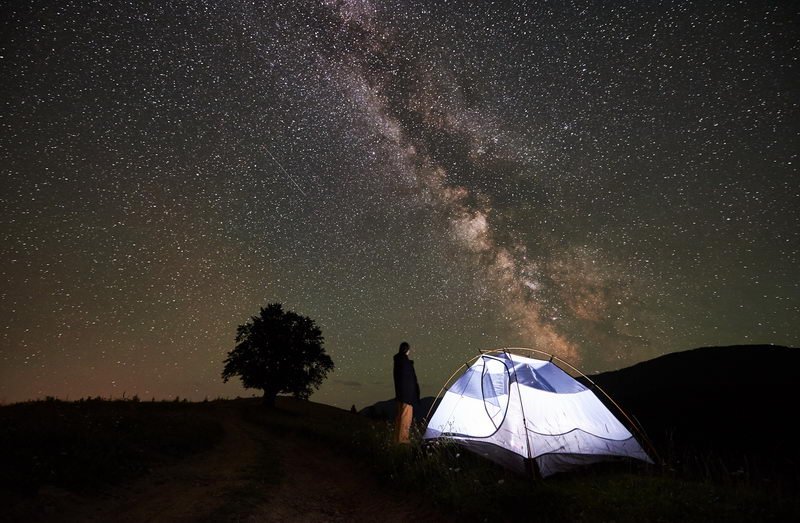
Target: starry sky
x,y
606,181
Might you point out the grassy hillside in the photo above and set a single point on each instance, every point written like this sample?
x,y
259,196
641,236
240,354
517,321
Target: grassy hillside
x,y
730,407
85,444
82,445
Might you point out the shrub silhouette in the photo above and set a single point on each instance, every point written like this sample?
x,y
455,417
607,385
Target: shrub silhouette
x,y
278,352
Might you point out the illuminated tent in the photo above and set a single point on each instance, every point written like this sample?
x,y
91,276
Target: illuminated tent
x,y
529,415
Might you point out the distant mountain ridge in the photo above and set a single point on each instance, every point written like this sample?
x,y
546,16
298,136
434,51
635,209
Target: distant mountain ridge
x,y
734,402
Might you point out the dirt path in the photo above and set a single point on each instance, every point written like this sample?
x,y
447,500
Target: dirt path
x,y
315,483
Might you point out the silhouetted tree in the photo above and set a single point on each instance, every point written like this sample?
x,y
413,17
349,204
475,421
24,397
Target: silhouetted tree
x,y
279,351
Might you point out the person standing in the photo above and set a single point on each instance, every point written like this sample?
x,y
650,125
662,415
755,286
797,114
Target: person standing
x,y
406,392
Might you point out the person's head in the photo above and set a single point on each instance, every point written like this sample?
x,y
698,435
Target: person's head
x,y
405,348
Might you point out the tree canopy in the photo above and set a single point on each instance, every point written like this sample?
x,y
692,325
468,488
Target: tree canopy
x,y
279,352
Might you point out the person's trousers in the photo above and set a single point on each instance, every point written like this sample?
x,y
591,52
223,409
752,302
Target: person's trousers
x,y
402,422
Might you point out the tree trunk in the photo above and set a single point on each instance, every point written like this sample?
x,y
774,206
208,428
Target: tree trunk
x,y
269,398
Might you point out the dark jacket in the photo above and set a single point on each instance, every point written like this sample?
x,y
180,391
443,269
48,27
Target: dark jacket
x,y
406,388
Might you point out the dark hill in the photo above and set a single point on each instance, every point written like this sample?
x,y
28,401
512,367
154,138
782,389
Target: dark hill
x,y
735,403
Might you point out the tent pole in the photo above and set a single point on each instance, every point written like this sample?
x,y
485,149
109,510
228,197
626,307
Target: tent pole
x,y
530,466
446,383
634,425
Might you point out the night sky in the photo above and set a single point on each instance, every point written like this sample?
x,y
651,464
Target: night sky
x,y
607,181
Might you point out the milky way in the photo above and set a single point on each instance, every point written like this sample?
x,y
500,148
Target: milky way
x,y
603,181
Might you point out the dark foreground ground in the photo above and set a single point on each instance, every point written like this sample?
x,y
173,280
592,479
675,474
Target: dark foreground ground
x,y
250,471
126,461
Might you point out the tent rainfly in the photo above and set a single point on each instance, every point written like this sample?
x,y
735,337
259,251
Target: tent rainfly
x,y
529,415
